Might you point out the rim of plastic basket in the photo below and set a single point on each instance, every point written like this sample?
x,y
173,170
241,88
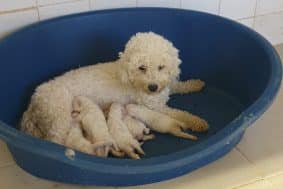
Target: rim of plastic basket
x,y
165,162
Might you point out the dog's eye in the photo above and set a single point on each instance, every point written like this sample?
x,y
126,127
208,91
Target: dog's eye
x,y
142,68
161,67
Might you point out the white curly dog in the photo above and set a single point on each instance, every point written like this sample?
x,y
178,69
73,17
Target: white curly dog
x,y
134,89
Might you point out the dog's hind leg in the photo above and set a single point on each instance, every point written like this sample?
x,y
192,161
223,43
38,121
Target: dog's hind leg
x,y
191,121
51,111
157,121
189,86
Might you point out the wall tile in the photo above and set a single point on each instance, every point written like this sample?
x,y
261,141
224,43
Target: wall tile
x,y
15,20
211,6
107,4
50,11
269,6
247,21
159,3
237,8
50,2
7,5
271,26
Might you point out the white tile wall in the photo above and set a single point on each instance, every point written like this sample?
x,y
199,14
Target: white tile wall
x,y
50,11
270,26
211,6
269,6
265,16
6,5
106,4
14,20
247,21
49,2
237,8
159,3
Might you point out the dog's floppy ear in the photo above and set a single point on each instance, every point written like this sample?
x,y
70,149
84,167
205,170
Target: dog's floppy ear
x,y
175,71
123,73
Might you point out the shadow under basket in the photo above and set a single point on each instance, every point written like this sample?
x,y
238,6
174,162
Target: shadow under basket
x,y
241,69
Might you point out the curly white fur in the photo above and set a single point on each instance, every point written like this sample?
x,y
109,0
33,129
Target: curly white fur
x,y
148,59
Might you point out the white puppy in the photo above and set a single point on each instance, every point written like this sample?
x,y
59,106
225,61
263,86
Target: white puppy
x,y
138,129
92,121
119,131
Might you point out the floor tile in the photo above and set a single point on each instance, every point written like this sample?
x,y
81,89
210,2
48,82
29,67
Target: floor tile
x,y
5,156
261,184
13,177
276,181
262,143
231,170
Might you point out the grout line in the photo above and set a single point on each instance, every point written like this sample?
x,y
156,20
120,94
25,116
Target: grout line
x,y
255,11
59,3
219,6
17,10
7,164
252,182
89,4
251,17
244,155
264,177
179,4
274,175
265,14
37,10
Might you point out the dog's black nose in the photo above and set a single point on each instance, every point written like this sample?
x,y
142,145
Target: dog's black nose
x,y
152,87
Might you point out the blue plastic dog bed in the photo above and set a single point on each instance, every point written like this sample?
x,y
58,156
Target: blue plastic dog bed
x,y
241,69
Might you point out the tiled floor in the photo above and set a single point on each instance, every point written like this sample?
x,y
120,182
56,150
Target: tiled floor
x,y
256,163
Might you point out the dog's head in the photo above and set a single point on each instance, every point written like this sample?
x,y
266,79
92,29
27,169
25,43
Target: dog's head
x,y
149,62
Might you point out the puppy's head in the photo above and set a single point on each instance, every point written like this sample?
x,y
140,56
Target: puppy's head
x,y
149,62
